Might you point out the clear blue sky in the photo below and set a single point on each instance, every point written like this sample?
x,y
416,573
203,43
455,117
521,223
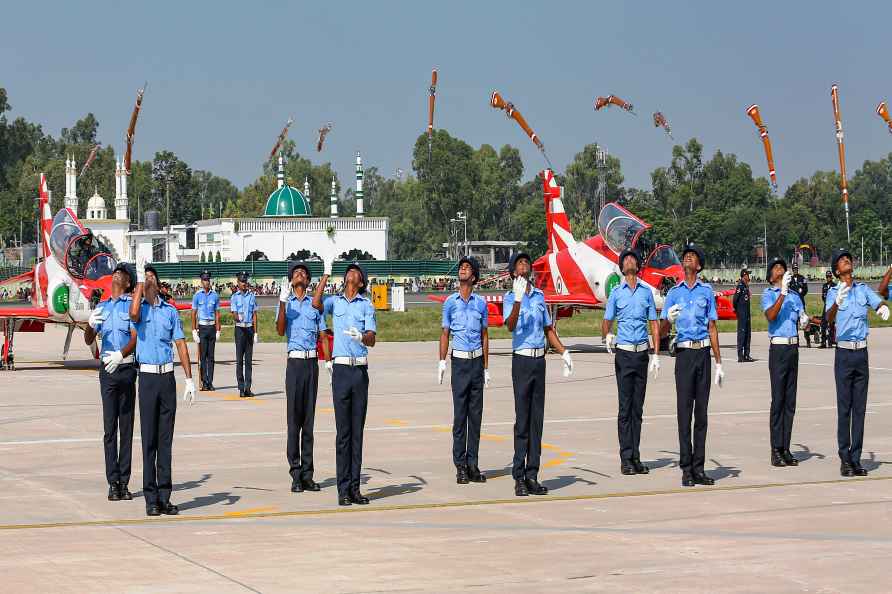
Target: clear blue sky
x,y
224,76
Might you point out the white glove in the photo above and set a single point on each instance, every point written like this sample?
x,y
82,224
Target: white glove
x,y
719,375
674,312
189,392
441,370
327,265
256,337
883,312
568,363
329,367
217,335
486,378
803,320
140,270
609,341
112,360
354,334
285,293
785,282
195,336
841,293
97,316
519,287
654,365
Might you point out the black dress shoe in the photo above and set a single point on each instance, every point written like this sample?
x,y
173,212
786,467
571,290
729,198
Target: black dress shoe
x,y
169,509
626,467
114,493
859,470
639,467
241,393
749,359
789,459
344,500
687,480
777,458
249,393
202,388
461,475
475,476
309,485
125,493
845,469
210,388
520,488
153,510
296,487
535,488
740,359
702,479
358,498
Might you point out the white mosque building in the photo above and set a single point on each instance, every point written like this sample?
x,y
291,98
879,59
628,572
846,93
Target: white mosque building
x,y
285,227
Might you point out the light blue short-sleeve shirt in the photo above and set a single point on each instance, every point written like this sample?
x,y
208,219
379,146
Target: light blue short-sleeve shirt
x,y
631,308
158,328
697,310
532,319
114,331
346,313
205,304
786,324
465,321
303,322
851,316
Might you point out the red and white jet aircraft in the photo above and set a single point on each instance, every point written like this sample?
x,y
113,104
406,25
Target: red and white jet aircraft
x,y
581,274
72,275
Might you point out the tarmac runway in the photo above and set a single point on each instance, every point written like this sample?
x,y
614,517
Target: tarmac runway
x,y
759,529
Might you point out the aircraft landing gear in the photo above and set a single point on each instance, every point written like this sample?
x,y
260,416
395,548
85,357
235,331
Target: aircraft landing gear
x,y
7,360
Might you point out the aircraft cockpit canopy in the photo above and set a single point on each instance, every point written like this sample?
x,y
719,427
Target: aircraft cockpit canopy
x,y
77,250
619,228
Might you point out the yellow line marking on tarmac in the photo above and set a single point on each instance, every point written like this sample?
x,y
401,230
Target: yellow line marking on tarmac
x,y
245,512
443,428
396,422
429,506
326,409
230,397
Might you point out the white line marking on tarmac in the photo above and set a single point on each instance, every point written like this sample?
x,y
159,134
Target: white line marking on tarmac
x,y
672,416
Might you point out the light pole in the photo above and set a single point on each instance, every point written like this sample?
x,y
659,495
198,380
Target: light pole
x,y
463,217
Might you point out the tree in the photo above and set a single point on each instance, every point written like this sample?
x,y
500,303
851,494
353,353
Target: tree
x,y
356,254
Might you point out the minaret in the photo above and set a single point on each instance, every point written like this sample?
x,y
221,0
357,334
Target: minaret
x,y
334,199
71,185
359,205
307,191
280,176
122,202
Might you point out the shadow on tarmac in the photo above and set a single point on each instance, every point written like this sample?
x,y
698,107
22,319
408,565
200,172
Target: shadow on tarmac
x,y
212,499
404,489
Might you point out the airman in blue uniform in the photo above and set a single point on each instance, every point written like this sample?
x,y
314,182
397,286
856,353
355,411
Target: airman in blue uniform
x,y
110,321
206,329
244,309
465,320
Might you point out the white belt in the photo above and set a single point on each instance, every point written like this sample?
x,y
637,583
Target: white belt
x,y
244,324
851,345
351,361
693,344
124,361
784,340
530,352
634,348
207,323
157,369
467,354
302,354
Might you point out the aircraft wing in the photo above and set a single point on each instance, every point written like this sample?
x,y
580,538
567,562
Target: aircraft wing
x,y
36,313
577,299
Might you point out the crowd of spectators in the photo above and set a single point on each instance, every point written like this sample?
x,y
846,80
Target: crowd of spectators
x,y
15,294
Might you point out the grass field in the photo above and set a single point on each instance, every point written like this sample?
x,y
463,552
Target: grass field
x,y
423,323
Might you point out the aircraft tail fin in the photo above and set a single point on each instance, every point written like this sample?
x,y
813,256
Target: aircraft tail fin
x,y
46,217
556,222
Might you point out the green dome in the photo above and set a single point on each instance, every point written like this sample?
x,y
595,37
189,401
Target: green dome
x,y
287,202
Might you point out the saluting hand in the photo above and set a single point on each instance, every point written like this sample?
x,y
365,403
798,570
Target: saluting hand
x,y
140,270
842,293
785,282
285,293
519,287
327,265
674,312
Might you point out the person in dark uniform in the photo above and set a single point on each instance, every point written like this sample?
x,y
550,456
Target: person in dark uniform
x,y
206,329
690,305
785,313
244,309
465,319
741,302
632,305
799,285
354,326
530,326
158,328
110,320
847,305
301,323
828,330
165,292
